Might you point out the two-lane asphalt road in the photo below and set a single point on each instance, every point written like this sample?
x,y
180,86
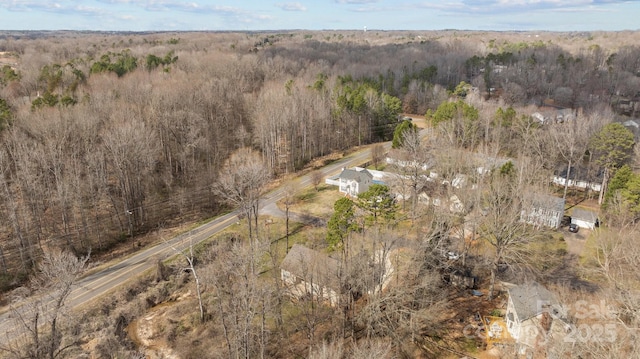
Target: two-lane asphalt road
x,y
100,283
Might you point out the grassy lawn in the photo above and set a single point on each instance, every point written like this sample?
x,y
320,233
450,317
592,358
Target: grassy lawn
x,y
316,203
590,253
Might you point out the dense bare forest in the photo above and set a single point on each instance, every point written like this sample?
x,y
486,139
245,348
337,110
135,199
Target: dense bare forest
x,y
106,137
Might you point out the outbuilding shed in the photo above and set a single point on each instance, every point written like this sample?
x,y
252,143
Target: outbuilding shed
x,y
584,218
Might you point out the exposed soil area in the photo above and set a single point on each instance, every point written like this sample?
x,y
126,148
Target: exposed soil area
x,y
147,332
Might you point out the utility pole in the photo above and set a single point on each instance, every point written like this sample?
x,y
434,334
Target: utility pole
x,y
129,213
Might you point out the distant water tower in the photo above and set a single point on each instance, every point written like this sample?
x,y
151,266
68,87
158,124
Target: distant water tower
x,y
365,29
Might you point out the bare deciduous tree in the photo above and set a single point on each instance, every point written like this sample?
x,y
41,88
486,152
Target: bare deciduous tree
x,y
414,169
10,201
241,183
242,300
41,319
131,148
570,140
501,228
190,257
288,201
617,252
327,350
316,178
409,304
377,154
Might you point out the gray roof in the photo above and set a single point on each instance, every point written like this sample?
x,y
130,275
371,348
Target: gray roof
x,y
565,112
530,300
358,176
580,173
312,266
545,201
584,215
490,162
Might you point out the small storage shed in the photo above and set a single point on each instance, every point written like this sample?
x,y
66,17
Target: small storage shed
x,y
584,218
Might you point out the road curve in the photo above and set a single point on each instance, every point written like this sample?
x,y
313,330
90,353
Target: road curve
x,y
96,285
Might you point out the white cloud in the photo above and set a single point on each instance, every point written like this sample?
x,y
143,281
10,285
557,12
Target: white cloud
x,y
495,7
61,7
370,9
259,14
356,1
291,6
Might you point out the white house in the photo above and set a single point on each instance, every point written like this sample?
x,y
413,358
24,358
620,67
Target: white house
x,y
578,178
354,181
541,118
532,314
584,218
307,272
455,204
459,181
424,198
402,159
542,210
557,115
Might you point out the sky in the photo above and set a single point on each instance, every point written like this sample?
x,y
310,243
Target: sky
x,y
251,15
